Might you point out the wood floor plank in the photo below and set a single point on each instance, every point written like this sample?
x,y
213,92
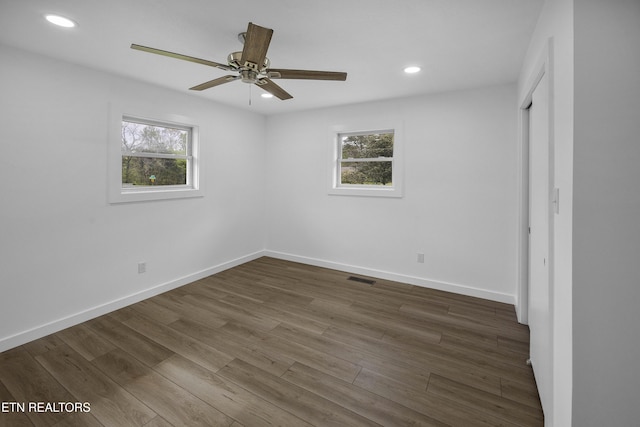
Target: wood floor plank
x,y
43,345
423,361
359,400
86,342
110,404
289,333
441,355
526,394
12,418
27,381
148,351
478,313
314,288
450,412
155,311
184,310
219,288
279,312
509,410
455,299
395,323
175,404
342,316
271,361
514,331
517,346
392,311
394,368
172,402
482,353
78,419
463,328
479,362
120,366
230,312
159,422
325,362
296,400
219,392
273,344
178,342
507,313
204,286
247,289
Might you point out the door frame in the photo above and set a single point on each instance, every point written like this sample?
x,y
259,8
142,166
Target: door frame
x,y
543,66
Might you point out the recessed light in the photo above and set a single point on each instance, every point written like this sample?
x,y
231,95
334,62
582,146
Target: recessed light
x,y
266,95
412,70
60,21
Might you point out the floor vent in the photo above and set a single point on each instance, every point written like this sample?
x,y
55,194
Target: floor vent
x,y
361,280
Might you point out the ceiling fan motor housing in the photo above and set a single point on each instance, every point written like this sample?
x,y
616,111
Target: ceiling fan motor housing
x,y
249,72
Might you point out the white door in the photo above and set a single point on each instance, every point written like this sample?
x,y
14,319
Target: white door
x,y
539,241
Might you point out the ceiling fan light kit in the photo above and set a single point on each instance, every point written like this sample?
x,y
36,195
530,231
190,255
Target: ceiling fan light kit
x,y
251,64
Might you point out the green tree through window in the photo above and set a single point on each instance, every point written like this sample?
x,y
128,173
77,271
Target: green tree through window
x,y
154,154
366,159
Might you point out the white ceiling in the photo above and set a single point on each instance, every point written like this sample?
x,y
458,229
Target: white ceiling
x,y
458,43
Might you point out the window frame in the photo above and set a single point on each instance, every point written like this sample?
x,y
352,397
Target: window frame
x,y
140,193
335,156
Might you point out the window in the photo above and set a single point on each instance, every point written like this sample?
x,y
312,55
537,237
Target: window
x,y
153,159
155,155
366,163
366,158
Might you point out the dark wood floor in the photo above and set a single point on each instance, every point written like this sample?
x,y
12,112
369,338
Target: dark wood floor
x,y
278,343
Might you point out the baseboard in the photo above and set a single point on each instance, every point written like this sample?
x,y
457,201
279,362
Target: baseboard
x,y
412,280
91,313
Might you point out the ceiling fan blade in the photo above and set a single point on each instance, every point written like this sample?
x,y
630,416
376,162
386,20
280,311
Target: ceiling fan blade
x,y
256,44
276,73
273,88
215,82
180,56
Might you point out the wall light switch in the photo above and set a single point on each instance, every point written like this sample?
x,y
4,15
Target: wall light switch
x,y
421,258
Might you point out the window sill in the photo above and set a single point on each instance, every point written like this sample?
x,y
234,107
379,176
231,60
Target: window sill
x,y
146,195
365,191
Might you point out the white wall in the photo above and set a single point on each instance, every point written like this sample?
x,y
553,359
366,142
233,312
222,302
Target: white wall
x,y
597,236
556,22
65,253
459,205
606,254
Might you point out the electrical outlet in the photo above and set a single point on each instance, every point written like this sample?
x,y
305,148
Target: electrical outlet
x,y
142,267
421,258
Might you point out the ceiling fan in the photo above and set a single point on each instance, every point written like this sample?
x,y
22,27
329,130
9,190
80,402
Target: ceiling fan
x,y
251,64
